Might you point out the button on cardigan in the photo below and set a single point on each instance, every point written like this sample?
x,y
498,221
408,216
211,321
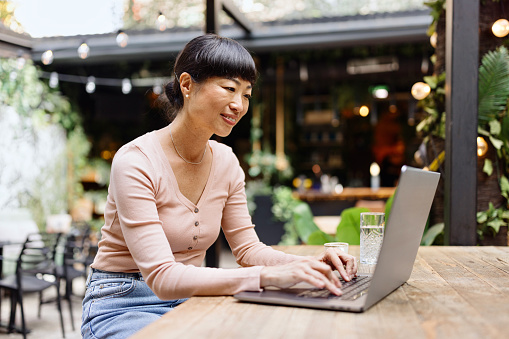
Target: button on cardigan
x,y
151,227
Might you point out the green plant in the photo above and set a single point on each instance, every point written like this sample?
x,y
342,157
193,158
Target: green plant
x,y
283,208
349,227
254,188
493,95
433,235
437,7
263,163
41,109
489,221
434,106
493,123
493,120
298,218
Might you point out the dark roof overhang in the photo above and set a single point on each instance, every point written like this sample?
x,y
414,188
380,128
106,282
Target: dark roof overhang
x,y
274,36
13,44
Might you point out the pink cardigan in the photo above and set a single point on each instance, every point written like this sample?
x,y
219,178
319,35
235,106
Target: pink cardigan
x,y
150,227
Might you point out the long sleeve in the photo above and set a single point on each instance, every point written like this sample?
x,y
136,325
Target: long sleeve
x,y
135,196
239,229
152,228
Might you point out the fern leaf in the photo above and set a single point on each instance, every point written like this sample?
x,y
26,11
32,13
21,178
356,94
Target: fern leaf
x,y
493,84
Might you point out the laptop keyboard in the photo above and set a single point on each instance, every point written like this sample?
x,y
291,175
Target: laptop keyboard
x,y
351,289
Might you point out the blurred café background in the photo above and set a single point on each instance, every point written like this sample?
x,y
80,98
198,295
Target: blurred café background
x,y
339,107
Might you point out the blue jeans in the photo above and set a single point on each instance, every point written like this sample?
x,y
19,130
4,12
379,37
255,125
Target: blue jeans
x,y
116,305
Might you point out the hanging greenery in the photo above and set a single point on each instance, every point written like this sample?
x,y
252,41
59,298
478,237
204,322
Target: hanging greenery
x,y
493,123
39,107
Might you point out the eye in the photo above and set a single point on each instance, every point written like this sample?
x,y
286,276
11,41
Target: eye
x,y
247,96
231,89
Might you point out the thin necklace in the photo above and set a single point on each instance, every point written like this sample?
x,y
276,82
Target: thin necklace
x,y
180,155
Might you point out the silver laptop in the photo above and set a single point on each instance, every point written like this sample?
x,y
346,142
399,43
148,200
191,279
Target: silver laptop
x,y
403,233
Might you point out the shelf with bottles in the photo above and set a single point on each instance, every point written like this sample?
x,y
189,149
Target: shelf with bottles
x,y
329,160
321,139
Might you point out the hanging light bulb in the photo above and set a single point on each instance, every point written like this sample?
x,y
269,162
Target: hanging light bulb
x,y
122,38
424,65
90,87
126,86
157,89
482,147
47,57
83,50
303,72
53,80
161,22
500,28
364,111
433,39
420,90
20,62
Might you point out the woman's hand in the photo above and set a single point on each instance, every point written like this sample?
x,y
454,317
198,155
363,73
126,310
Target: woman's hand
x,y
344,263
308,269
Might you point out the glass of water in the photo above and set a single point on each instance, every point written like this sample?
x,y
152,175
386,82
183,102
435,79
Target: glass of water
x,y
339,245
372,234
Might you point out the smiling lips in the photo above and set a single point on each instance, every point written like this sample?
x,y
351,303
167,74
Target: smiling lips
x,y
230,120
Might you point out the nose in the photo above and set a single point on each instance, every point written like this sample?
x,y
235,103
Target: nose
x,y
237,105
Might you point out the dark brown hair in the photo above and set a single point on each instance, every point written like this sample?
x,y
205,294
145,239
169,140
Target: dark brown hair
x,y
208,56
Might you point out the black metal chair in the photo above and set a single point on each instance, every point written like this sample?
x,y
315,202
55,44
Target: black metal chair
x,y
73,261
77,256
36,259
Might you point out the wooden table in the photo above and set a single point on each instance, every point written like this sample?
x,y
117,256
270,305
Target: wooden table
x,y
453,292
349,193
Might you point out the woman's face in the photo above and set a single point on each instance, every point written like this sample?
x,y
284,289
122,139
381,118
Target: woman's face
x,y
218,103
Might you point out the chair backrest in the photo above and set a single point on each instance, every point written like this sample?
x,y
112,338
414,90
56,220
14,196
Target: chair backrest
x,y
77,242
38,254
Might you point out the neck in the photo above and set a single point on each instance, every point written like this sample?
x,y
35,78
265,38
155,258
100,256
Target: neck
x,y
189,144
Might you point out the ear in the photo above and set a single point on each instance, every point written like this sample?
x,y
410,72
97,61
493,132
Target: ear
x,y
186,83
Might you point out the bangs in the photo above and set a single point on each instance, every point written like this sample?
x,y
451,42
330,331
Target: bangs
x,y
225,58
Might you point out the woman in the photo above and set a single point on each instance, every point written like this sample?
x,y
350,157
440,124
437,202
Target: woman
x,y
172,190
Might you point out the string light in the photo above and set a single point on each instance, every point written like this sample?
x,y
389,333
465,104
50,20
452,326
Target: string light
x,y
482,147
53,80
20,62
83,50
433,39
303,72
122,39
420,90
424,65
126,86
90,87
156,83
47,57
157,89
161,22
500,28
364,111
